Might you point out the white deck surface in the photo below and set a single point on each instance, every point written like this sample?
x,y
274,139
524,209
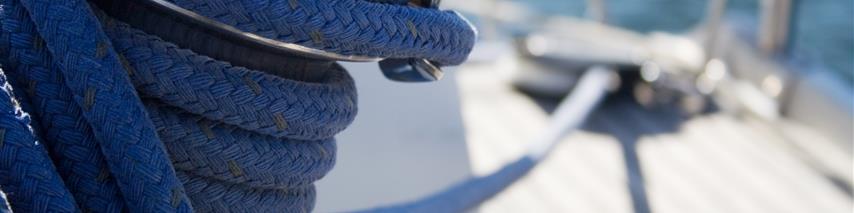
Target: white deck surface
x,y
627,159
411,140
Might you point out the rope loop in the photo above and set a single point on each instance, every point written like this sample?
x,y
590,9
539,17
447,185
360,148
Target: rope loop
x,y
123,121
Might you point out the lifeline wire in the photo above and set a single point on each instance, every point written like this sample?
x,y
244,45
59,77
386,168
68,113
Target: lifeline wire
x,y
124,121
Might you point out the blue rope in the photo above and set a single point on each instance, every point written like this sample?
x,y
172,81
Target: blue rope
x,y
351,27
124,121
27,171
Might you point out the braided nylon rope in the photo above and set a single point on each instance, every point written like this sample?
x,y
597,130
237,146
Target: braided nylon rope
x,y
130,122
25,167
355,27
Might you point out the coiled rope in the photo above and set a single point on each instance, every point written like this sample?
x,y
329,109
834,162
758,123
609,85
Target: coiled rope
x,y
123,121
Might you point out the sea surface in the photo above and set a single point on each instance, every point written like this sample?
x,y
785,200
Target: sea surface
x,y
824,31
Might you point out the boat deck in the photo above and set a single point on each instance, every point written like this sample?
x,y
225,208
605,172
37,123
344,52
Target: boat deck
x,y
630,159
624,159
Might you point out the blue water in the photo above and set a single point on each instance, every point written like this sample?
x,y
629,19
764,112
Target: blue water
x,y
824,29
